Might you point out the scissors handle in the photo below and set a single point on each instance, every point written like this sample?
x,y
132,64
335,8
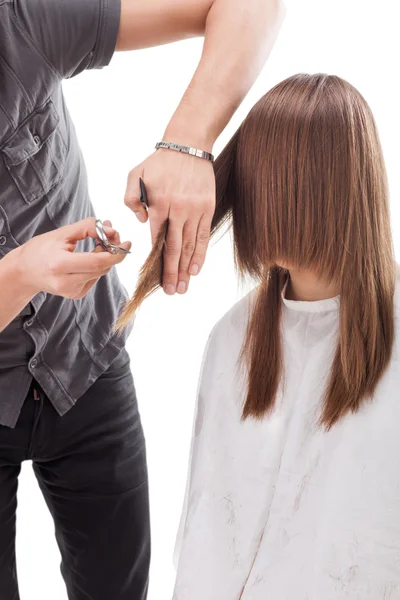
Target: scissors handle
x,y
105,243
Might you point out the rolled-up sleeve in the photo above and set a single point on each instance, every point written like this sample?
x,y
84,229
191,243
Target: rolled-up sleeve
x,y
74,35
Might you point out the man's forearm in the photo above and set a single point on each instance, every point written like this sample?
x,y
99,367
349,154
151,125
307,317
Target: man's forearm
x,y
239,36
14,297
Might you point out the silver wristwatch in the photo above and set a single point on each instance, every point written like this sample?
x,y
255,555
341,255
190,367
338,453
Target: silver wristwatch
x,y
186,150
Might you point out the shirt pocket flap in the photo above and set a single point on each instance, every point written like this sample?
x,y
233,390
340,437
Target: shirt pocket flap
x,y
31,135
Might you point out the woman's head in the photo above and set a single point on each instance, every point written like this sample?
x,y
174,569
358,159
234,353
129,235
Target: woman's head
x,y
303,182
307,183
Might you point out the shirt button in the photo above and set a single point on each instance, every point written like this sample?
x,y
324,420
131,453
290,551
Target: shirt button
x,y
3,240
34,363
29,323
37,140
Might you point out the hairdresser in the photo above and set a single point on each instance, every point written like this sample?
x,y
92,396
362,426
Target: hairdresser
x,y
59,298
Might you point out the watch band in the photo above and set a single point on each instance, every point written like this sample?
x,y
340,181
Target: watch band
x,y
186,149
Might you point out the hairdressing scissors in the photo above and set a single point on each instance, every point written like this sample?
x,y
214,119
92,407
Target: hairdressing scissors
x,y
103,241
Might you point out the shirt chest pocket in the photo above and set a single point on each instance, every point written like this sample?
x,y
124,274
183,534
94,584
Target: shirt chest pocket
x,y
35,155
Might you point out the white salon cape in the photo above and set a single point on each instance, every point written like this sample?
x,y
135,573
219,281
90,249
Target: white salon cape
x,y
281,509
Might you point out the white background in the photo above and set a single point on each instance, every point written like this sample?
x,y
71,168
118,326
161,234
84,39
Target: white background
x,y
120,113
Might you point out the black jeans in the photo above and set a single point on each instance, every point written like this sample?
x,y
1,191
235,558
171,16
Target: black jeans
x,y
91,468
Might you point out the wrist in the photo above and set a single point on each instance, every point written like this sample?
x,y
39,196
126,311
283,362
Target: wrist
x,y
188,132
198,121
164,145
19,281
188,138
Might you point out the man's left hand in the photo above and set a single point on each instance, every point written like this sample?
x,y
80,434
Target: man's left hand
x,y
180,188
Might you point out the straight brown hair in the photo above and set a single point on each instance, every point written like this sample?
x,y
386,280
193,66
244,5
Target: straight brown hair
x,y
303,182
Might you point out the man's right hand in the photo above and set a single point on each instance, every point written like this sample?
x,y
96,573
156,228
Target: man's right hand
x,y
49,263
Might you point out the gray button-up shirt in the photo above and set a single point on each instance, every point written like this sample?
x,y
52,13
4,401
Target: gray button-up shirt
x,y
63,344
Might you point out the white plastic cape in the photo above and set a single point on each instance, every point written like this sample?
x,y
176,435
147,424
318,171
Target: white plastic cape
x,y
280,509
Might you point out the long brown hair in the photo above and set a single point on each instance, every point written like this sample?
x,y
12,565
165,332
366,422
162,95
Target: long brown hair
x,y
303,181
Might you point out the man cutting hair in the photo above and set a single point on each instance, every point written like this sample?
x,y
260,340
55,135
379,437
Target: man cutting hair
x,y
67,399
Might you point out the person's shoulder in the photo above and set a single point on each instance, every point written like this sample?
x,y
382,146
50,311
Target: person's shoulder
x,y
226,339
233,324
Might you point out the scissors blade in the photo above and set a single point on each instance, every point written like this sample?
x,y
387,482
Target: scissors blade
x,y
118,249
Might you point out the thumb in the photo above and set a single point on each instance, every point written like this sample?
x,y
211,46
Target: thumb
x,y
133,194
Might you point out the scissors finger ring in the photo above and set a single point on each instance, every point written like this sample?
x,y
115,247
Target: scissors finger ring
x,y
104,242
